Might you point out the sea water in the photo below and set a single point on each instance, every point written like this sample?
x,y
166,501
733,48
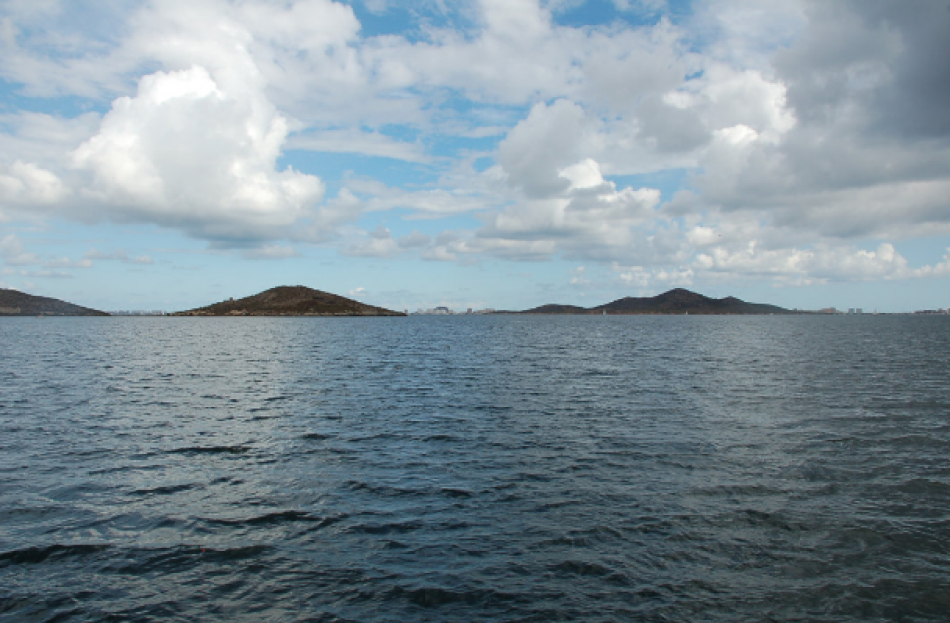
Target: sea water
x,y
510,468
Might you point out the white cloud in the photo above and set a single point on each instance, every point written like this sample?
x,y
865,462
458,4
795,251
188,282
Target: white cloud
x,y
414,240
550,138
378,243
15,254
580,215
184,153
357,141
65,262
579,276
361,195
28,184
120,255
271,252
43,274
818,264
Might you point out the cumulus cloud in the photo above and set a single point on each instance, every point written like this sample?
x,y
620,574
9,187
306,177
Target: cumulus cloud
x,y
185,153
377,243
819,264
589,210
25,183
550,138
644,277
859,81
196,147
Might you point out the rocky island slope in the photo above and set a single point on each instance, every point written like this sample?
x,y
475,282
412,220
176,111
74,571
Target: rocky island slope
x,y
290,301
677,301
16,303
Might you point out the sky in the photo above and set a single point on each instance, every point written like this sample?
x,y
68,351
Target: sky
x,y
488,153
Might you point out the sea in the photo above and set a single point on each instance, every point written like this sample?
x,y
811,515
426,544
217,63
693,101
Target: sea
x,y
475,468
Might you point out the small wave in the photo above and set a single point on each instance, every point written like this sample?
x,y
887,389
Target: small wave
x,y
440,437
167,490
771,520
585,538
278,517
278,398
315,436
429,597
926,486
383,490
554,504
234,553
387,528
36,555
262,418
192,450
456,493
583,568
534,477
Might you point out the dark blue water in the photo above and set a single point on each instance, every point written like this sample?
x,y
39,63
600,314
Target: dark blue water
x,y
475,468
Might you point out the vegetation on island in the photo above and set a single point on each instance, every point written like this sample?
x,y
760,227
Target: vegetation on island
x,y
677,301
290,301
16,303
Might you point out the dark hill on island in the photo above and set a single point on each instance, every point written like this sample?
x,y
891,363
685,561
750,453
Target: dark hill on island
x,y
678,301
16,303
290,301
554,308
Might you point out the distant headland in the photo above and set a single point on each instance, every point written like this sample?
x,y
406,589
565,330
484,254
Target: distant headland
x,y
676,301
16,303
290,301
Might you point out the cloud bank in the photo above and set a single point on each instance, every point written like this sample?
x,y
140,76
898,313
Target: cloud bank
x,y
807,140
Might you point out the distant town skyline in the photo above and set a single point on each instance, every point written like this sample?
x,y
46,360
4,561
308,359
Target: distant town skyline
x,y
492,154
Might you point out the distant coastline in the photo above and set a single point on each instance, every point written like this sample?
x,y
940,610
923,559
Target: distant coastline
x,y
304,301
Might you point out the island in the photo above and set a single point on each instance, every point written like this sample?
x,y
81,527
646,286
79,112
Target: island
x,y
16,303
290,301
676,301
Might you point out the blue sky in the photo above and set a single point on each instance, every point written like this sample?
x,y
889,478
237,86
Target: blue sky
x,y
493,153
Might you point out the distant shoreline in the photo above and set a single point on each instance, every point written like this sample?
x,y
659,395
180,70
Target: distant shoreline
x,y
304,302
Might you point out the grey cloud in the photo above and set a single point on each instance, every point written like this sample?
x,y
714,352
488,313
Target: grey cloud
x,y
269,252
546,141
673,129
120,255
381,233
414,240
869,155
15,254
918,105
46,274
888,59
